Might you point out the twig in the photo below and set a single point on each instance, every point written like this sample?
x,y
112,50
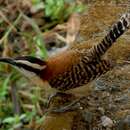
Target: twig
x,y
125,61
16,104
15,100
10,29
37,30
7,21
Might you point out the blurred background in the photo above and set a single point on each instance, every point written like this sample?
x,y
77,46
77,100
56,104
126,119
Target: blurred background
x,y
43,28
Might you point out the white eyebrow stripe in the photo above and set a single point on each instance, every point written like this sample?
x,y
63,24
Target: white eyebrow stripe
x,y
33,65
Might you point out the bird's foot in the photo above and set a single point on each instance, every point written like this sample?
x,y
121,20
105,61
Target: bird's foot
x,y
75,105
62,95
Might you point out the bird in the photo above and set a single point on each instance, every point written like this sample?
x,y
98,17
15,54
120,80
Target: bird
x,y
71,68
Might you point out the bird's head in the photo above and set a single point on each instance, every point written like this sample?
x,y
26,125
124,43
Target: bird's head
x,y
28,65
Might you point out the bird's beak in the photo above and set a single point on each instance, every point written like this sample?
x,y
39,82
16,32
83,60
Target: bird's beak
x,y
8,60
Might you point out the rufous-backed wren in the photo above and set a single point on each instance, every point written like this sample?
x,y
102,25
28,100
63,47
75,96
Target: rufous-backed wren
x,y
74,67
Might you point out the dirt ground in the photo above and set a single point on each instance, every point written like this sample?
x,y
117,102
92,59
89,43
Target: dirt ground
x,y
109,101
107,105
112,93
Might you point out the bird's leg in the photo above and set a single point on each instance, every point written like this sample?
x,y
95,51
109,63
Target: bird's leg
x,y
60,94
75,105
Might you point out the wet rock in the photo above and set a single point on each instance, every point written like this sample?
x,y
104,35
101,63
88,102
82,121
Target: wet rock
x,y
100,85
103,85
106,122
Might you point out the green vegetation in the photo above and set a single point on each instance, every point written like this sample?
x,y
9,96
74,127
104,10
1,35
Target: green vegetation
x,y
20,101
58,9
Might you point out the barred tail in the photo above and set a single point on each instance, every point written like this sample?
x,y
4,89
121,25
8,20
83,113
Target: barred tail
x,y
116,31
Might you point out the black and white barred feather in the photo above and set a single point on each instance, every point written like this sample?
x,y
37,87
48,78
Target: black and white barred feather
x,y
88,65
115,32
91,65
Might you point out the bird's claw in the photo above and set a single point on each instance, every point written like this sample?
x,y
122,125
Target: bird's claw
x,y
75,105
61,94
